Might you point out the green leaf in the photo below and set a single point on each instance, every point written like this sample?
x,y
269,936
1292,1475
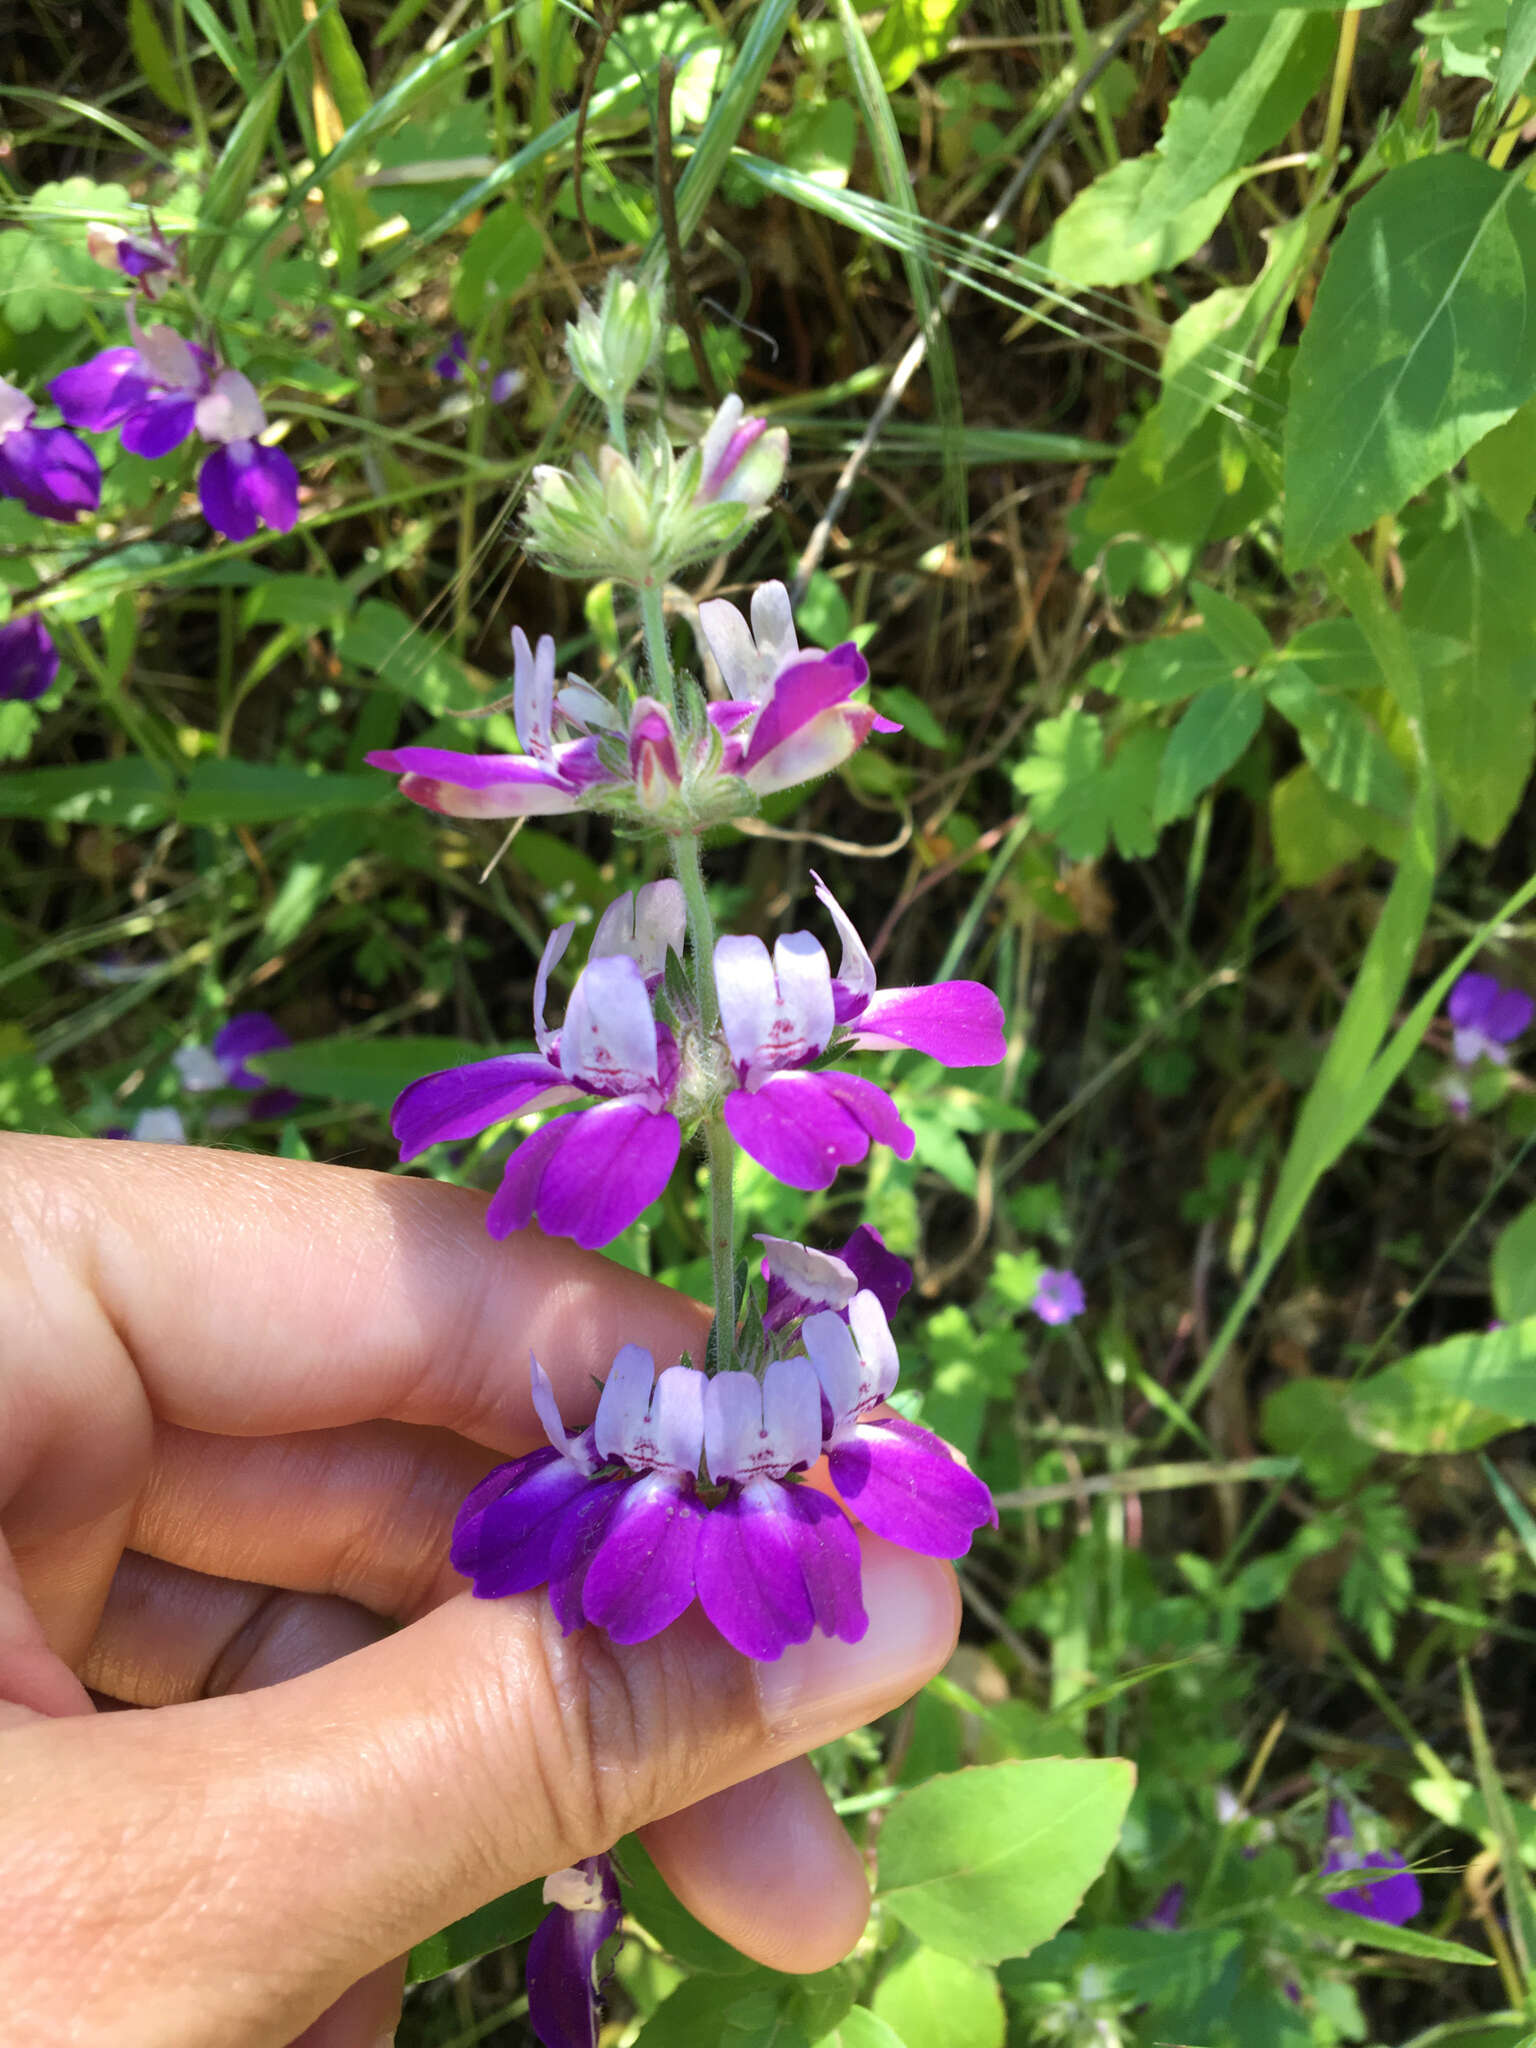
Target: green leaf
x,y
671,1925
1449,1397
860,2028
332,846
934,2001
1417,346
1347,750
1476,585
505,1920
1514,1268
267,793
311,602
1503,466
1080,800
911,32
380,639
722,2012
1518,54
1244,91
1519,1905
50,275
1308,1418
1331,1923
989,1862
1172,667
153,57
674,30
1202,10
1312,830
499,258
1177,503
127,792
1118,231
1213,734
363,1070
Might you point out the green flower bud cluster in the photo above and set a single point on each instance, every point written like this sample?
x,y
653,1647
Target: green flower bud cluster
x,y
611,345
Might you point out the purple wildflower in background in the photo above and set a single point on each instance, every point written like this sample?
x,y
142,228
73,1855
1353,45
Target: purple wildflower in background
x,y
584,1176
1167,1913
779,1012
223,1064
1058,1296
29,661
547,777
613,1519
142,258
1486,1018
561,1970
1393,1898
454,361
48,469
157,392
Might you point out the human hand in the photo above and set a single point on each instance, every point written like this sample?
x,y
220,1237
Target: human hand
x,y
240,1402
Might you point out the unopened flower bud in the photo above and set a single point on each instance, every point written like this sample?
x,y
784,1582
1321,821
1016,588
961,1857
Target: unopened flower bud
x,y
610,346
742,458
624,497
653,761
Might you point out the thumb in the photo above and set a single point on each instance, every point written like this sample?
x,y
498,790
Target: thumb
x,y
219,1872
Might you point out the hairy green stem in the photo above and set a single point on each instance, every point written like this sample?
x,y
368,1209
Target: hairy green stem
x,y
689,869
618,432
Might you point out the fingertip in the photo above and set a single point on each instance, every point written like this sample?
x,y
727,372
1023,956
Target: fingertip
x,y
769,1867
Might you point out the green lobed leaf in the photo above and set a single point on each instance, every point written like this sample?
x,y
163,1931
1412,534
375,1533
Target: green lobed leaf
x,y
1080,799
989,1862
1418,345
935,2001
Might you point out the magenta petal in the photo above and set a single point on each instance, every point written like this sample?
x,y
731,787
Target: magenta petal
x,y
562,1959
802,692
588,1176
642,1577
52,472
958,1023
460,1102
103,391
803,1127
871,1107
248,1033
887,1276
1393,1899
775,1562
506,1531
904,1483
159,424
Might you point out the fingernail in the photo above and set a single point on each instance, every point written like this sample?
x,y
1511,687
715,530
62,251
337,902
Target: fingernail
x,y
823,1687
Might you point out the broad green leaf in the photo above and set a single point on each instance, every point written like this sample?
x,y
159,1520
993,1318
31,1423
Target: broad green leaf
x,y
1476,585
267,793
1202,10
1207,487
673,30
152,55
1518,54
1514,1267
1080,799
499,258
1453,1396
1332,1923
1308,1419
1213,734
382,640
1244,91
911,32
505,1920
313,602
1503,466
819,141
1171,668
1343,745
1418,345
364,1070
1493,2030
1313,831
935,2001
1235,629
756,2011
989,1862
127,792
860,2028
1118,231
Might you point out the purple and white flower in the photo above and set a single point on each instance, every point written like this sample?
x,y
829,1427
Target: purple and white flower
x,y
801,1280
780,1012
1486,1018
48,469
742,459
223,1064
1167,1913
1058,1296
561,1971
789,716
585,1176
453,364
900,1480
29,661
161,388
142,258
547,777
1393,1897
152,1127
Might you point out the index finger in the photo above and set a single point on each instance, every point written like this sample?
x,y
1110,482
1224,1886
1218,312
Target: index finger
x,y
249,1296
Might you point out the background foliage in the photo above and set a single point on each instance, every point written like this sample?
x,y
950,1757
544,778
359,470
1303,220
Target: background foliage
x,y
1163,399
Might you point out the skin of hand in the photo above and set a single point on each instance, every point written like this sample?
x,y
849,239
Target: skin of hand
x,y
240,1402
